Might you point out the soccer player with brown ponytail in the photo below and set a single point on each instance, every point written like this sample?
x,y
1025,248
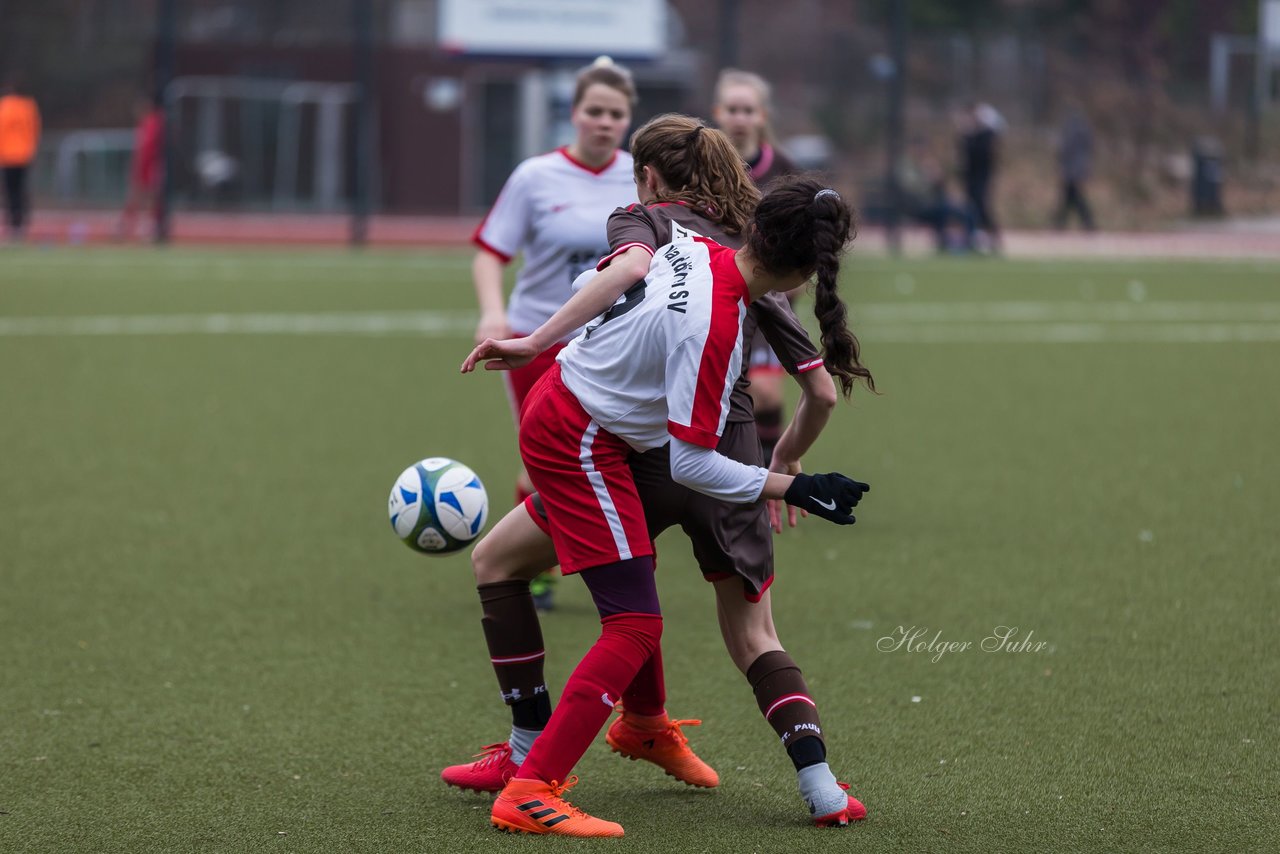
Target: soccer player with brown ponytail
x,y
637,354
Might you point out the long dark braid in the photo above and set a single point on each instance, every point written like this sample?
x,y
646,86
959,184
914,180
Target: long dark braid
x,y
800,224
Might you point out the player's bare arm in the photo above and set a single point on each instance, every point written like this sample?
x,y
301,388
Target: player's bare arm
x,y
590,301
817,401
486,273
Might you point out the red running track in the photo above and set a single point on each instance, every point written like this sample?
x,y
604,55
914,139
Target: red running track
x,y
78,227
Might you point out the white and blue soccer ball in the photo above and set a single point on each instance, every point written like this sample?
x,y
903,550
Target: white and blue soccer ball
x,y
438,506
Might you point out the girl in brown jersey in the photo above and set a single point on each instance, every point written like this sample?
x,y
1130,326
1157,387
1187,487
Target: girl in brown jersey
x,y
741,109
691,181
742,106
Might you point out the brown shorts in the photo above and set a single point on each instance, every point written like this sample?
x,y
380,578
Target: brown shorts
x,y
728,539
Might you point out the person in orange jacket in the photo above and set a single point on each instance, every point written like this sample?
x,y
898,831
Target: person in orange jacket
x,y
19,136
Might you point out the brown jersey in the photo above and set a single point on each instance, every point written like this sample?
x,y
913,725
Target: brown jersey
x,y
658,224
768,164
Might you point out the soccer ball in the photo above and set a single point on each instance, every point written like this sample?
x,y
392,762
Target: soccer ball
x,y
438,506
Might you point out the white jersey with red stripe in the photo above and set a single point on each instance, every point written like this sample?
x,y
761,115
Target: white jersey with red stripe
x,y
662,362
554,209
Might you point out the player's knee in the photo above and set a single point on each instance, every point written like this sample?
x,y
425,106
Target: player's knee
x,y
488,563
641,631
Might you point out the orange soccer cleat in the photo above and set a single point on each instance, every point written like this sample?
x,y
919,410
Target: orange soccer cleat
x,y
489,773
665,745
532,806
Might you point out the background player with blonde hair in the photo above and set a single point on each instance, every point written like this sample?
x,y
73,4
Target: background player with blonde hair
x,y
552,210
742,110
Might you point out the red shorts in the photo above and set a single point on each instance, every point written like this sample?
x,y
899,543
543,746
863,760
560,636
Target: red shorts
x,y
580,471
522,380
146,174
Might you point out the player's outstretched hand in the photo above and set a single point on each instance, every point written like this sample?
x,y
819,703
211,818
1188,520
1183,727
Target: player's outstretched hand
x,y
505,355
775,506
831,496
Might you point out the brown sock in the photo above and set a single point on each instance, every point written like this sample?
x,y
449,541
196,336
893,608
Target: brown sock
x,y
784,701
514,636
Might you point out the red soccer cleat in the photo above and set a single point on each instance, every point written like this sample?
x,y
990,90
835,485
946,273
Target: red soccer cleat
x,y
489,773
853,811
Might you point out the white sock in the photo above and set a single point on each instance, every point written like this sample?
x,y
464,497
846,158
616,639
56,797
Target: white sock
x,y
521,742
820,790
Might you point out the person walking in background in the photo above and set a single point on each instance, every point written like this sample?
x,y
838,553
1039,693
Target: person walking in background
x,y
980,126
741,109
553,209
1075,160
19,139
928,200
145,169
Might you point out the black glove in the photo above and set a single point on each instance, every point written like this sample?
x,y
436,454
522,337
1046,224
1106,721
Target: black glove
x,y
830,496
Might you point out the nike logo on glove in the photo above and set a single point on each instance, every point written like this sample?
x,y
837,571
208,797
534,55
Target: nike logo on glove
x,y
838,493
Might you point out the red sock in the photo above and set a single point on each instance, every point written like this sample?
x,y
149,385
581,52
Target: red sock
x,y
626,642
647,693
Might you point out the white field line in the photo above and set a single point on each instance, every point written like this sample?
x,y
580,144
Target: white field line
x,y
1074,333
978,322
1065,312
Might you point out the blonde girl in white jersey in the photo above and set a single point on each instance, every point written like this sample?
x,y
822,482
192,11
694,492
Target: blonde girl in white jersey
x,y
553,211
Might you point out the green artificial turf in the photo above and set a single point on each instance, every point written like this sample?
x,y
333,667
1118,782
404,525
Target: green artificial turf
x,y
212,640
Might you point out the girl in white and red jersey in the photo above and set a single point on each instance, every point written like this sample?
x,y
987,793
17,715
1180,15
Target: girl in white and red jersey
x,y
741,109
660,368
691,182
552,210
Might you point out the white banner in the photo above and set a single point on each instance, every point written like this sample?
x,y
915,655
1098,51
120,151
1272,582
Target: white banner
x,y
635,29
